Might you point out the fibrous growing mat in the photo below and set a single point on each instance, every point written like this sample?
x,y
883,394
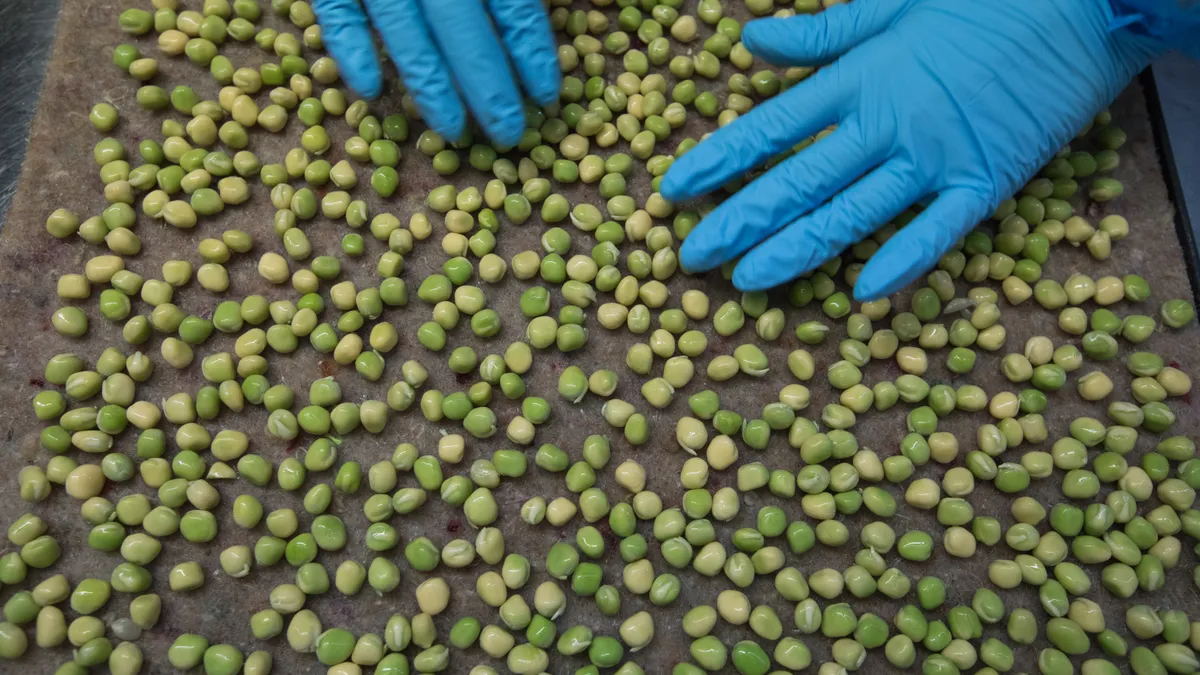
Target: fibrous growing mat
x,y
818,540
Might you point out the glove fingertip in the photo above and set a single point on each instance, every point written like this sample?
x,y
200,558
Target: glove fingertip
x,y
869,287
887,274
756,33
692,255
747,279
544,90
672,188
358,67
448,125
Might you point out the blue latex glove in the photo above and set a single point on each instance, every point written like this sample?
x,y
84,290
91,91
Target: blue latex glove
x,y
448,51
962,99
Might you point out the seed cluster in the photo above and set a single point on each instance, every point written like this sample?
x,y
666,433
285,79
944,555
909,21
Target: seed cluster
x,y
1126,485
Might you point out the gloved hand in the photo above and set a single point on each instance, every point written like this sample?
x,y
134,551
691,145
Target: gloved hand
x,y
445,50
962,99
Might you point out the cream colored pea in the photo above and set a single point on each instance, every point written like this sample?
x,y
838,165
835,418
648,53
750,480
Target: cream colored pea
x,y
795,396
451,448
866,462
1174,381
1167,550
959,542
420,226
1137,483
647,505
912,360
638,225
1094,386
560,511
876,309
638,576
637,631
943,447
612,315
348,349
1004,405
721,453
678,371
617,412
958,482
722,368
1039,350
991,338
630,475
800,362
1077,229
694,473
85,481
626,291
202,495
143,415
305,281
101,268
1080,288
700,620
515,611
342,295
923,493
455,244
520,430
695,305
691,434
491,589
710,559
433,596
1109,290
250,343
495,641
1016,290
734,607
1004,573
273,267
726,504
1087,613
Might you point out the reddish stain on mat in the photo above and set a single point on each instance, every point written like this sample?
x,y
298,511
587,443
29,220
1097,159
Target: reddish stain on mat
x,y
292,445
610,537
454,525
462,378
325,367
36,382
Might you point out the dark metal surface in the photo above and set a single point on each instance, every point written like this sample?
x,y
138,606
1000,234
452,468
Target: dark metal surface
x,y
26,34
1173,89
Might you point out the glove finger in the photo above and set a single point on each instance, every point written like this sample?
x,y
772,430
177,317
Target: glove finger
x,y
407,40
851,215
917,247
525,29
784,193
764,132
817,39
347,35
464,32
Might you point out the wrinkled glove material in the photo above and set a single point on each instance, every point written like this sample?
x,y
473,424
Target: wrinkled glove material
x,y
449,52
1175,22
959,102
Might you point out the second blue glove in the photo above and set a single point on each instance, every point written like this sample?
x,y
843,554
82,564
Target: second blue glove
x,y
448,52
